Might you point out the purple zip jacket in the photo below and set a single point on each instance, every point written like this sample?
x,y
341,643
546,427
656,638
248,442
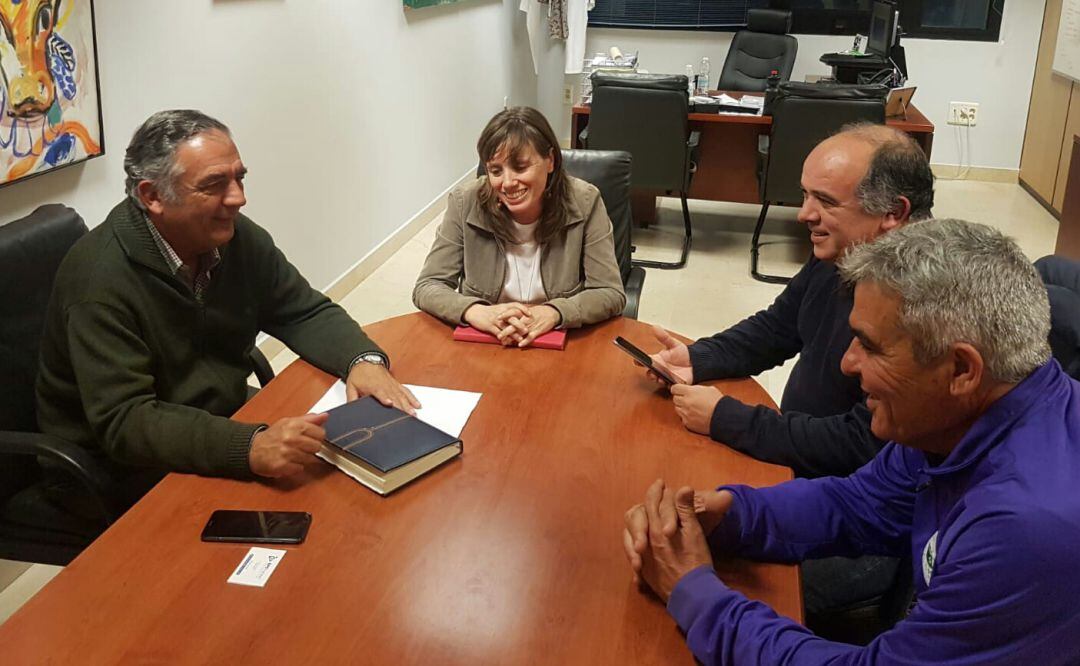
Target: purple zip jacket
x,y
994,530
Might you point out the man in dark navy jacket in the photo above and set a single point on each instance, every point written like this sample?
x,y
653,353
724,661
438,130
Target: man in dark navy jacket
x,y
977,482
858,184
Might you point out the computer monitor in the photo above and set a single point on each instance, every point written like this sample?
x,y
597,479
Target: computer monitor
x,y
884,18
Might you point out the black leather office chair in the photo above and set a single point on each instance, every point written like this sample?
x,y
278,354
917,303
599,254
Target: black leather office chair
x,y
803,115
765,45
1062,279
261,367
861,622
647,116
610,171
32,527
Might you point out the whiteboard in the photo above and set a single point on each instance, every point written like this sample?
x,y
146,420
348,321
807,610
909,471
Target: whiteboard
x,y
1067,51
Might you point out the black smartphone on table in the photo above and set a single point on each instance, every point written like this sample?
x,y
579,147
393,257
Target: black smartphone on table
x,y
257,526
644,359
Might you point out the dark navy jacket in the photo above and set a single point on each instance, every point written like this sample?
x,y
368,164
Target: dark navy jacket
x,y
994,530
823,428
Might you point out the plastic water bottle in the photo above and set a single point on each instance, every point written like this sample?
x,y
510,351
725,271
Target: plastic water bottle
x,y
690,80
703,77
772,84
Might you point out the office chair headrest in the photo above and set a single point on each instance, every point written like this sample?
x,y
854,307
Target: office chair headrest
x,y
776,21
832,90
649,81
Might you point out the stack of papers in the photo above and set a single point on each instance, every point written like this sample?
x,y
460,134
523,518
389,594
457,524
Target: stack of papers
x,y
746,101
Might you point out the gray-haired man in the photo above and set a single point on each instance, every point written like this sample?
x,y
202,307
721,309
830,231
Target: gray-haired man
x,y
977,483
859,184
154,312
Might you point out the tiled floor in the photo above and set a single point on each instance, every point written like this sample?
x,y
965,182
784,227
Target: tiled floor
x,y
714,290
19,589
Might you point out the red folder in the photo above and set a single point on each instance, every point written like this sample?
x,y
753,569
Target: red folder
x,y
555,339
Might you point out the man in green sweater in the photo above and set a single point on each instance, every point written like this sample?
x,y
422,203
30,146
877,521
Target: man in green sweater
x,y
153,313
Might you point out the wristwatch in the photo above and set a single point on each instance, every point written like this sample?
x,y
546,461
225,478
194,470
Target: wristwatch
x,y
371,357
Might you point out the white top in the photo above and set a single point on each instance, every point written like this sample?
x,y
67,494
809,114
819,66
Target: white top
x,y
523,281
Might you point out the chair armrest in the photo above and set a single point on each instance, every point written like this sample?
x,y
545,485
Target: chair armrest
x,y
583,137
633,291
692,143
261,367
762,163
73,458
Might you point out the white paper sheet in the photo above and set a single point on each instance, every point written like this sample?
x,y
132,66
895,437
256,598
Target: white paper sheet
x,y
446,409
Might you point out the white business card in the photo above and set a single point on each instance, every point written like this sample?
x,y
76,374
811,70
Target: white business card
x,y
256,567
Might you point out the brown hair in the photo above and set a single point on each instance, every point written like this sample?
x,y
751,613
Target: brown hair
x,y
510,131
898,168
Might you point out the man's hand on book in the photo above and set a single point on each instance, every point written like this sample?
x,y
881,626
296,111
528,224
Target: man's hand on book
x,y
287,446
375,380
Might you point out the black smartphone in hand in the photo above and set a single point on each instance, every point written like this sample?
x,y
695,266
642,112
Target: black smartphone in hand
x,y
644,359
257,526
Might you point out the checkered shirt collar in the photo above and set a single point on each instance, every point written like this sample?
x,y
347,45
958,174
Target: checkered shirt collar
x,y
173,261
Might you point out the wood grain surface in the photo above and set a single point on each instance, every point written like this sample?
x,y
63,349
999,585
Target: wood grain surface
x,y
509,554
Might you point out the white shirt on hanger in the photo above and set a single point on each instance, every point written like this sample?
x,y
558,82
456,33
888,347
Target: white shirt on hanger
x,y
536,28
577,21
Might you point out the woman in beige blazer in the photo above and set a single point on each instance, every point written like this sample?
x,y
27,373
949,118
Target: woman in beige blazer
x,y
525,248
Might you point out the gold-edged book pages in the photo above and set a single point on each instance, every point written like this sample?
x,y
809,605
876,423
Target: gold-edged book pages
x,y
386,483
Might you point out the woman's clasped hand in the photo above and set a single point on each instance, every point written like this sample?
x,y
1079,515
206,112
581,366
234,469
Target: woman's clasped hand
x,y
513,323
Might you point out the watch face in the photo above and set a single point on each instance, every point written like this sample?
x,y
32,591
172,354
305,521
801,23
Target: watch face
x,y
373,358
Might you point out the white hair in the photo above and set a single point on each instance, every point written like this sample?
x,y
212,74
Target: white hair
x,y
960,282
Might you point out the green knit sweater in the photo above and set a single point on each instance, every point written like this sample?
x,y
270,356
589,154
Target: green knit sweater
x,y
132,365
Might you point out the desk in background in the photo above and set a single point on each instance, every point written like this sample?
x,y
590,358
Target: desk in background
x,y
728,150
511,553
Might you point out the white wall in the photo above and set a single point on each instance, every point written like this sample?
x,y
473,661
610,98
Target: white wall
x,y
997,75
351,116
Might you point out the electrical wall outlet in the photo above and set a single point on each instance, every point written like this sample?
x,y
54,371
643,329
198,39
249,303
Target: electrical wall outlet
x,y
568,94
963,113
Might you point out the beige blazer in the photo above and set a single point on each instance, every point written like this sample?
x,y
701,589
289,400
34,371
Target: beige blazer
x,y
578,267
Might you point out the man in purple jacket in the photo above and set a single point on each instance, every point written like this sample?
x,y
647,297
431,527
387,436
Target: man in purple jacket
x,y
977,482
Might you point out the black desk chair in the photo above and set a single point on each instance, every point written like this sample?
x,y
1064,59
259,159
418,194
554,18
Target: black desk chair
x,y
803,115
610,172
1062,279
32,527
765,45
647,116
861,622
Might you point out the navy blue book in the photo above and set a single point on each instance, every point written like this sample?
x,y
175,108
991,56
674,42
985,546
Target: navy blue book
x,y
382,447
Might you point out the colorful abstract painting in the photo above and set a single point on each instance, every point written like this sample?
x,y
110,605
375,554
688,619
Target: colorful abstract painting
x,y
50,104
417,4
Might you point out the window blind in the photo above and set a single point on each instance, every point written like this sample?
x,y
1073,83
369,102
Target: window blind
x,y
672,14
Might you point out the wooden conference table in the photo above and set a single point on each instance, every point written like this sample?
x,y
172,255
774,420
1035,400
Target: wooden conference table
x,y
728,149
511,553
